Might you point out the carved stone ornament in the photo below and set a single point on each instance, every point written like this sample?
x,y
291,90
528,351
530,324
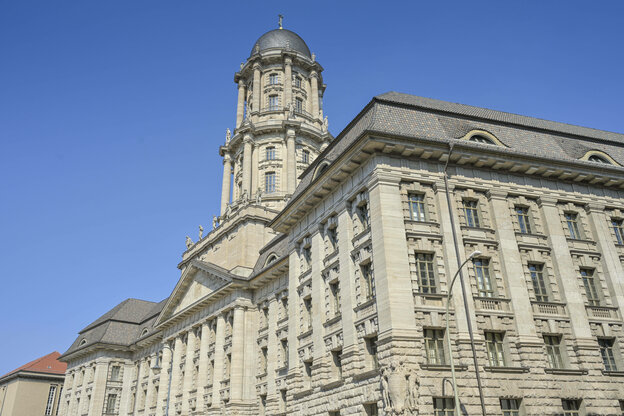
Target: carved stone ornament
x,y
399,389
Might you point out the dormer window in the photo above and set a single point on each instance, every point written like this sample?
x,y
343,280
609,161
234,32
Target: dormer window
x,y
83,342
480,139
273,79
597,156
598,159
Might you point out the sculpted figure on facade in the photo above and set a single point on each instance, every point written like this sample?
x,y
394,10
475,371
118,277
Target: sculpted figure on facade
x,y
201,231
325,124
259,195
399,389
215,222
228,136
189,242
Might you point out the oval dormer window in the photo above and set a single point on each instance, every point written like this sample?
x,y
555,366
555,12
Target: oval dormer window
x,y
480,139
144,332
83,342
271,259
598,159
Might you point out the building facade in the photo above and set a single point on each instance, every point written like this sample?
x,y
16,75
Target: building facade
x,y
322,289
34,388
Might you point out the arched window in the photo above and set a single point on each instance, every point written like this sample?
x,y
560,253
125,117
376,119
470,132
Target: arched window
x,y
482,136
83,342
598,159
271,259
144,332
322,167
598,156
480,139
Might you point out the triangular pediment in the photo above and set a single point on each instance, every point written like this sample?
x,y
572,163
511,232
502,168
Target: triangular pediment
x,y
198,281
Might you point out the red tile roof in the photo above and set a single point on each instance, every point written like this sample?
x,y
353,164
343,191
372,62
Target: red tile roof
x,y
46,364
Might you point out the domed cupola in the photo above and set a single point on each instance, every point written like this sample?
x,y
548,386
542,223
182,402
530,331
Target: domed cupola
x,y
281,39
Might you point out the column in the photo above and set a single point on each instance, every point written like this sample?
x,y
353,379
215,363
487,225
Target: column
x,y
187,383
240,107
512,267
294,364
256,89
315,95
309,99
175,375
227,179
255,154
564,268
291,161
247,165
395,304
164,387
288,82
202,375
219,356
249,375
238,355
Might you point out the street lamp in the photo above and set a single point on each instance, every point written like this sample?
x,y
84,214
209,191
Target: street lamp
x,y
448,335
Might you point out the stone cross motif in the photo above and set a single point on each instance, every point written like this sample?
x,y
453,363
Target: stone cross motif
x,y
201,231
399,390
189,242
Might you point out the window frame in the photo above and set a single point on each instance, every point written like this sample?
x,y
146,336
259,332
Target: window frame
x,y
417,206
471,213
592,292
540,284
435,350
483,276
608,353
571,407
50,402
524,219
553,351
274,78
273,102
270,182
618,228
494,346
368,280
443,406
269,153
426,272
510,407
572,223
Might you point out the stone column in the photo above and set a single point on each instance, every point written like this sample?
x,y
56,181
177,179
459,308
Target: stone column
x,y
187,383
512,267
240,107
566,270
175,375
291,161
99,388
238,355
315,95
256,89
202,375
288,100
249,374
219,356
227,179
395,304
248,142
163,385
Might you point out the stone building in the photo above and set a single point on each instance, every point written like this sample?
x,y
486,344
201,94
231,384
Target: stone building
x,y
322,289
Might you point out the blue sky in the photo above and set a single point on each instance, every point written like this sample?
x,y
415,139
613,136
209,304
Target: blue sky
x,y
111,114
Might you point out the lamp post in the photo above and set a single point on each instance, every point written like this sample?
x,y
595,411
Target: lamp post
x,y
448,335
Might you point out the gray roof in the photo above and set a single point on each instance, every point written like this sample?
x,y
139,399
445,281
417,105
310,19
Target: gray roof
x,y
281,39
278,246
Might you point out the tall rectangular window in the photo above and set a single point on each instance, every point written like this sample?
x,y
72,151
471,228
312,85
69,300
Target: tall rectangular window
x,y
263,359
270,153
362,211
269,182
593,299
307,374
115,370
553,351
50,402
539,285
494,346
298,82
510,407
371,409
618,229
371,350
426,275
284,343
434,346
273,79
332,236
572,223
305,156
307,306
484,281
571,407
606,352
298,105
471,212
443,406
621,406
417,207
368,281
334,290
337,362
273,103
523,220
110,404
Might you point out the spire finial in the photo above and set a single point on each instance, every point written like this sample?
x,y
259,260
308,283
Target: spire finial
x,y
281,18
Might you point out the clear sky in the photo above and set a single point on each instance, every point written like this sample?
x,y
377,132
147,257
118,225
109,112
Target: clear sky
x,y
111,114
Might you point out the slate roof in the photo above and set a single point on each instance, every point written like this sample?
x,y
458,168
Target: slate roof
x,y
281,39
48,364
278,246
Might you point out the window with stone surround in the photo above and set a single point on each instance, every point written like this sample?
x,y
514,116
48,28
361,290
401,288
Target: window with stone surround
x,y
443,406
471,212
269,182
621,403
416,204
263,359
334,413
50,402
371,409
618,229
572,224
524,220
553,351
539,282
434,346
370,350
283,400
591,288
270,153
228,366
332,236
284,352
510,407
336,363
298,105
284,306
111,401
273,103
427,281
262,404
273,78
305,258
115,373
305,156
307,314
360,213
297,82
571,407
494,348
334,295
607,353
368,281
484,278
307,374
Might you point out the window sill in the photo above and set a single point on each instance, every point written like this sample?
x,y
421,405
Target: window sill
x,y
364,305
282,321
486,229
613,373
565,371
581,240
442,367
495,369
333,320
305,334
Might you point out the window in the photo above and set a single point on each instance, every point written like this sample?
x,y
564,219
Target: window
x,y
228,366
598,159
307,306
417,207
50,402
606,352
553,351
472,215
510,407
58,403
334,290
337,363
434,346
523,220
305,156
494,347
263,359
590,287
306,258
110,403
307,374
298,105
484,282
332,236
621,406
371,409
539,285
362,211
571,407
368,281
298,82
480,139
269,182
572,223
283,401
263,405
618,228
443,406
270,153
273,103
371,350
334,413
273,79
426,276
115,373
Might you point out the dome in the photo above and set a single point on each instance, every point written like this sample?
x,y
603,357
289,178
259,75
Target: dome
x,y
281,38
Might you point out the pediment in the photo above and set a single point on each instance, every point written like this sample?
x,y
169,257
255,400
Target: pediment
x,y
198,281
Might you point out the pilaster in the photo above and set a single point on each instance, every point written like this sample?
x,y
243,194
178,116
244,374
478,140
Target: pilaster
x,y
247,149
256,89
288,82
240,106
291,161
227,179
99,388
315,95
255,155
164,387
202,375
238,357
124,400
219,357
347,289
187,383
175,374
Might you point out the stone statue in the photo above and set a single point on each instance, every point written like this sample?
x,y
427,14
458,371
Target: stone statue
x,y
244,195
385,391
242,65
399,390
259,195
228,136
189,242
201,231
313,57
325,124
291,110
248,111
412,394
215,222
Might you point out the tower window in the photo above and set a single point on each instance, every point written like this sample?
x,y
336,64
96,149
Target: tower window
x,y
273,79
298,82
298,105
618,228
273,103
269,182
305,156
270,153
